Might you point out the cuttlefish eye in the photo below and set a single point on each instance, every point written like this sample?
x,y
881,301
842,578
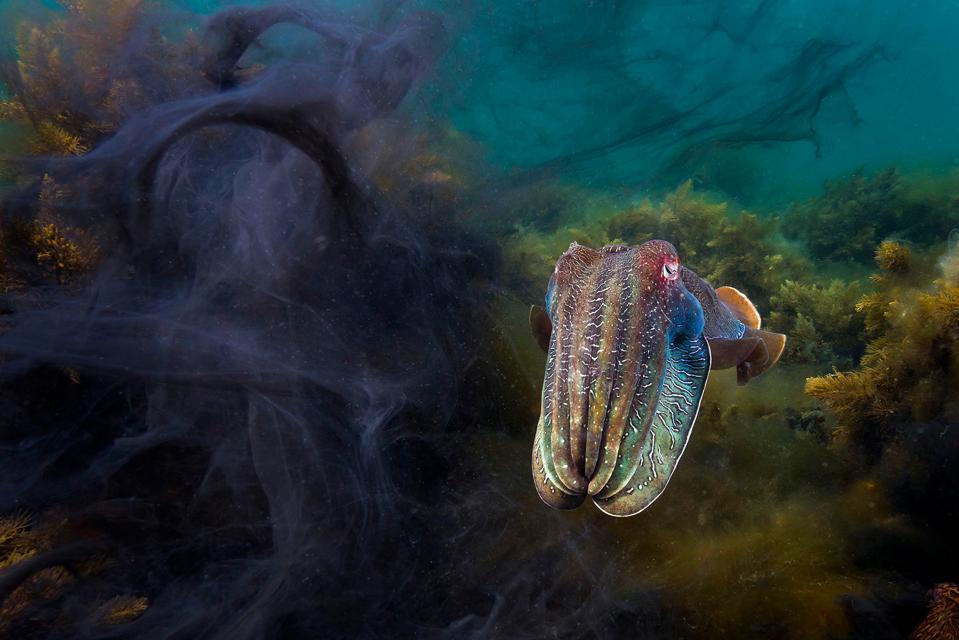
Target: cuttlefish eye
x,y
670,270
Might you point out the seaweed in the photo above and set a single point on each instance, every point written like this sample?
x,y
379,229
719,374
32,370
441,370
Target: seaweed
x,y
41,557
912,356
71,85
821,322
123,609
41,248
942,621
21,540
856,213
851,216
893,257
727,248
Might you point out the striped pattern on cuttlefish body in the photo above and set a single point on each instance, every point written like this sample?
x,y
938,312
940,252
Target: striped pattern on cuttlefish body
x,y
630,337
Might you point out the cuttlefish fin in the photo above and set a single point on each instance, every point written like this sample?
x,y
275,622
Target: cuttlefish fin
x,y
752,354
541,326
741,307
763,357
730,352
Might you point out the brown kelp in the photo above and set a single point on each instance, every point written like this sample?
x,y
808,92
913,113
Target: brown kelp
x,y
71,84
40,558
850,217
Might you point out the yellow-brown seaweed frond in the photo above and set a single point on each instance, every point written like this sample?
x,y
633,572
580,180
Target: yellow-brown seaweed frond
x,y
21,538
941,310
859,400
123,609
48,251
13,530
894,257
24,538
63,252
44,247
52,139
72,84
876,309
942,621
911,360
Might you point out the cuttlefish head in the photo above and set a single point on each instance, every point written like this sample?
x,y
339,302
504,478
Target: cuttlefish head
x,y
682,311
655,266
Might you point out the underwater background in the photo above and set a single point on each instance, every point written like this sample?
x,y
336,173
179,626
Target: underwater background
x,y
265,270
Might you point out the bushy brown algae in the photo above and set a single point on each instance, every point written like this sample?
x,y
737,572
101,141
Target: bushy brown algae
x,y
912,358
850,218
821,322
857,212
34,601
66,90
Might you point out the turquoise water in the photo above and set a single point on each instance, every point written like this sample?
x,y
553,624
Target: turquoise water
x,y
633,86
266,362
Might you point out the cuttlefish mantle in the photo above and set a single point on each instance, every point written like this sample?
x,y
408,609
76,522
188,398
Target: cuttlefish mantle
x,y
630,336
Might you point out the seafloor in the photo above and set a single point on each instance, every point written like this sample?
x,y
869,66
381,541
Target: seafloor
x,y
265,368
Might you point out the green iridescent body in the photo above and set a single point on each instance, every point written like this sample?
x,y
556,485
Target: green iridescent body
x,y
627,335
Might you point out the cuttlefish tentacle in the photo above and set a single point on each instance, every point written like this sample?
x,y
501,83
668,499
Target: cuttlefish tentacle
x,y
630,337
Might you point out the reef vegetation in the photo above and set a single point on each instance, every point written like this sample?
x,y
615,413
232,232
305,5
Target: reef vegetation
x,y
262,384
862,452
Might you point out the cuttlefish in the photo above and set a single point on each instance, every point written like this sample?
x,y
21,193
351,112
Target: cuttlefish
x,y
630,336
